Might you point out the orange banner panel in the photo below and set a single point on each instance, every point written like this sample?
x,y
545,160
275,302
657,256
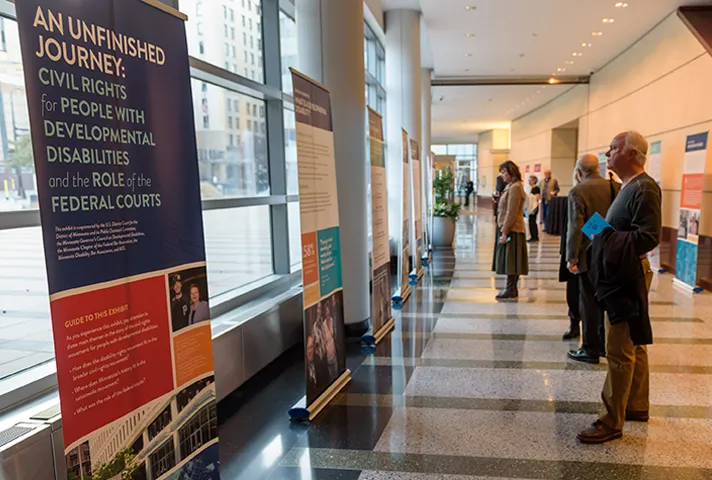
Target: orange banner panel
x,y
193,354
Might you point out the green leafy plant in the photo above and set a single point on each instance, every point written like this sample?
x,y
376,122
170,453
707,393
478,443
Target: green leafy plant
x,y
443,187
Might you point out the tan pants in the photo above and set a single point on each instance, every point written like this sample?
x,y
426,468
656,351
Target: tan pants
x,y
627,385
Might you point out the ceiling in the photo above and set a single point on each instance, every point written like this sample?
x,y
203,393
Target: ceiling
x,y
515,38
460,113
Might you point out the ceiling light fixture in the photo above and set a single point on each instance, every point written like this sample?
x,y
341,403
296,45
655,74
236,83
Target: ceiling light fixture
x,y
578,54
553,81
558,69
597,34
470,8
584,44
621,5
609,20
468,54
470,35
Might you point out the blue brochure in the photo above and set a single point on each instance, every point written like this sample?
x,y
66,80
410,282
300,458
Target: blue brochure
x,y
595,225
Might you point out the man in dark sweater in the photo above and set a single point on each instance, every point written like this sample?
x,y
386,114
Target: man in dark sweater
x,y
637,211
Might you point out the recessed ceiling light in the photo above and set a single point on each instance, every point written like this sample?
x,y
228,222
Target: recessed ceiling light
x,y
535,34
578,54
584,44
467,69
521,55
558,69
468,54
470,35
621,5
470,7
538,91
597,34
569,62
608,20
552,81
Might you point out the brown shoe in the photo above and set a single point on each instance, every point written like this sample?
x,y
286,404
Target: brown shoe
x,y
598,433
633,416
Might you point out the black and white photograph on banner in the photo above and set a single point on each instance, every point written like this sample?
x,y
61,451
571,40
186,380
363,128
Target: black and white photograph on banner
x,y
324,343
381,296
684,223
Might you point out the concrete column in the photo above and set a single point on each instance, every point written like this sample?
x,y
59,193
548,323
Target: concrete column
x,y
330,35
403,106
426,108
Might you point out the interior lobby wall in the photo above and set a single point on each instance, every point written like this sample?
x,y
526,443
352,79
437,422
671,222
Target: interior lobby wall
x,y
660,87
488,166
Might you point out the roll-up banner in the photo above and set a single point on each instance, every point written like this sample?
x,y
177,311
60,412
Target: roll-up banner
x,y
654,170
405,253
693,176
603,164
381,299
111,115
428,211
324,340
417,184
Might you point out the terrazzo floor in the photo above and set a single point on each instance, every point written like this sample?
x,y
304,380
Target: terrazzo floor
x,y
470,389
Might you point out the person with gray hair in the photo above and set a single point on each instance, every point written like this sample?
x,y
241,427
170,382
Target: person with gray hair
x,y
592,194
636,221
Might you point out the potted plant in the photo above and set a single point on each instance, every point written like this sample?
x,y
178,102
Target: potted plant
x,y
445,210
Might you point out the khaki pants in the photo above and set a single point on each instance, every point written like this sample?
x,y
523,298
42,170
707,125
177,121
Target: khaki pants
x,y
627,385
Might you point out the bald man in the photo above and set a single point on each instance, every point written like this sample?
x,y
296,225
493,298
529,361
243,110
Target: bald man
x,y
592,194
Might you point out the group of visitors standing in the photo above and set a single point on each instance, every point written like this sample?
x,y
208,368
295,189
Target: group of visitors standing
x,y
612,303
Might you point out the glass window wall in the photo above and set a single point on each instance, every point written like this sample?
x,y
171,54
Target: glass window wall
x,y
232,132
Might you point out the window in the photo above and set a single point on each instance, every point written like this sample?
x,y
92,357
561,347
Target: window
x,y
234,54
199,28
201,47
249,5
375,62
199,430
238,244
229,173
288,47
250,20
163,459
232,15
245,52
226,31
162,421
235,105
252,41
244,21
229,122
227,49
224,11
206,122
244,38
262,111
199,9
295,236
254,110
252,58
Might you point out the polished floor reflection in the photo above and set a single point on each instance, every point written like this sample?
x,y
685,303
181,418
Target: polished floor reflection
x,y
468,388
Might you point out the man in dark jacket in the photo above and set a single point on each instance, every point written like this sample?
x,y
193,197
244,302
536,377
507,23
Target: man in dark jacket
x,y
592,194
622,276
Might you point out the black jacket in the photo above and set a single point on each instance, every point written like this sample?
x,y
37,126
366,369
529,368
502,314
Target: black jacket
x,y
616,271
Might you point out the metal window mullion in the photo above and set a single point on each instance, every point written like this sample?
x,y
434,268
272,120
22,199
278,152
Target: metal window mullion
x,y
275,136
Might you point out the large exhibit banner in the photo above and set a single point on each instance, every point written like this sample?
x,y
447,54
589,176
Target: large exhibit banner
x,y
379,225
654,170
324,340
417,179
111,115
430,200
406,233
693,175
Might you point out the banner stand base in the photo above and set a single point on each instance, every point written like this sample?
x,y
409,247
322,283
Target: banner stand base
x,y
413,276
301,413
402,297
425,261
376,338
684,286
662,271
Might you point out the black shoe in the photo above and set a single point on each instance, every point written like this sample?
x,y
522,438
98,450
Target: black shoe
x,y
603,355
507,295
582,355
572,333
